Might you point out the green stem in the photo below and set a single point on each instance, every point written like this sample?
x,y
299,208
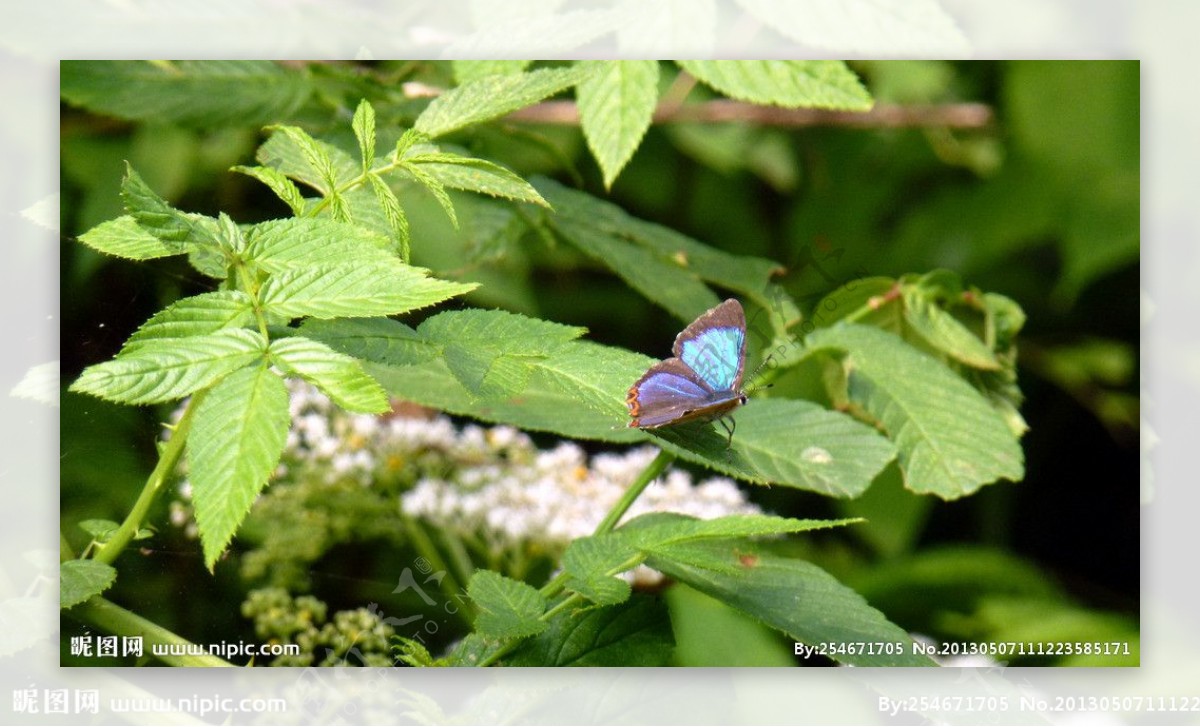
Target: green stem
x,y
108,552
108,616
425,547
653,470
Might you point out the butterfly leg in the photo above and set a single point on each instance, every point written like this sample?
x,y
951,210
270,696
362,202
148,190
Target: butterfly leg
x,y
728,424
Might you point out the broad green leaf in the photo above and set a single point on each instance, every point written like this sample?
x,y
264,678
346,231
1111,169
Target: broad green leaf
x,y
951,441
171,369
791,84
507,608
796,597
591,564
492,96
680,264
124,237
435,187
235,442
376,340
475,175
635,633
195,316
943,331
895,517
305,159
283,187
354,290
616,105
79,580
710,633
161,219
299,243
396,218
466,71
659,532
191,93
338,375
364,131
491,351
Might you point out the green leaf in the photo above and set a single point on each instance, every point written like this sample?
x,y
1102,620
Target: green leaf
x,y
278,183
364,131
291,153
190,93
198,315
161,219
951,441
659,532
315,155
79,580
667,267
796,597
937,327
475,175
124,237
99,529
299,243
235,442
491,351
354,290
636,633
492,96
338,375
710,633
616,105
507,608
591,564
791,84
466,71
397,220
171,369
435,187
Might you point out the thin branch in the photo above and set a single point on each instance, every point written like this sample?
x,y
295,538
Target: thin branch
x,y
955,115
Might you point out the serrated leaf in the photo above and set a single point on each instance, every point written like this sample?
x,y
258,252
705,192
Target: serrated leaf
x,y
195,316
616,105
796,597
591,564
39,383
98,529
314,154
235,442
656,532
79,580
790,84
364,131
291,155
156,372
284,188
397,220
162,220
466,71
490,352
493,96
636,633
190,93
435,187
476,175
299,243
951,441
666,266
354,290
338,375
124,237
507,608
943,331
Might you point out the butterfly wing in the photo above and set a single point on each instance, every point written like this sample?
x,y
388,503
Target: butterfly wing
x,y
714,346
669,391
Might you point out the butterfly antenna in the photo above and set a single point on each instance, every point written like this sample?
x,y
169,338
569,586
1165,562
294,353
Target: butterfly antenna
x,y
754,374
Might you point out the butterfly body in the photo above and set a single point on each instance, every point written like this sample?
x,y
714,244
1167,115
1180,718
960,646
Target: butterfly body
x,y
702,381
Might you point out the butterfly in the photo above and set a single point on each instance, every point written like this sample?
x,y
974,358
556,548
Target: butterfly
x,y
703,381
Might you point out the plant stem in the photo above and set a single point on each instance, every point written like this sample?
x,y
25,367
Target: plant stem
x,y
110,617
644,478
108,552
424,545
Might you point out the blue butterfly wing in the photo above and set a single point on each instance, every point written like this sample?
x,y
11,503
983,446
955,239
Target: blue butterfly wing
x,y
714,346
668,391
